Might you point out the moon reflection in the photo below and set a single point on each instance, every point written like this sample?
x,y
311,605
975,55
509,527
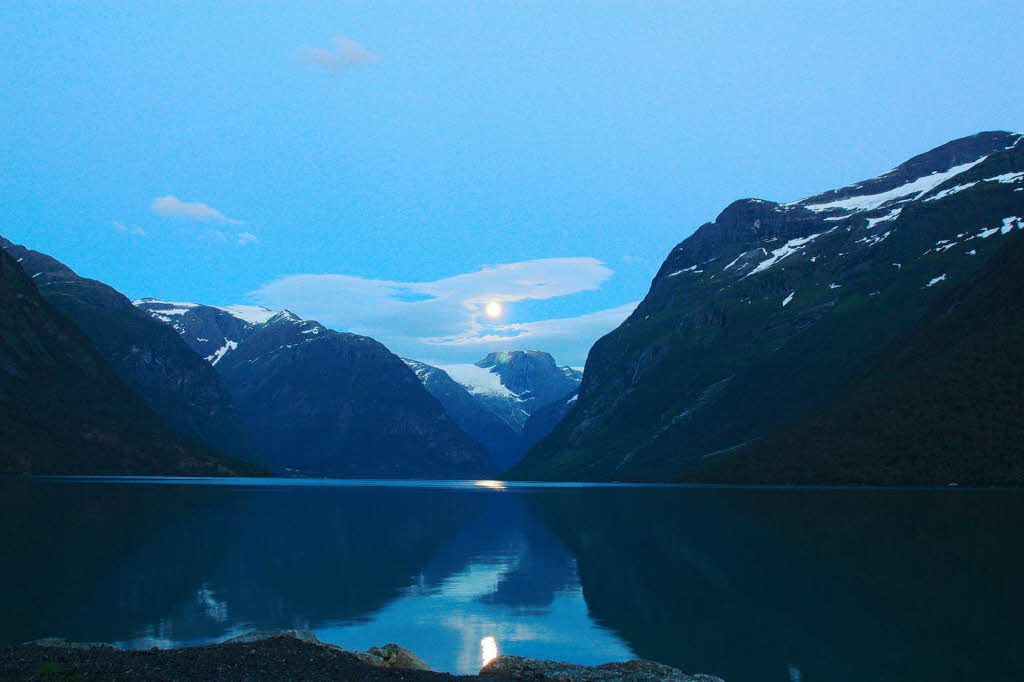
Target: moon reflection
x,y
494,485
488,650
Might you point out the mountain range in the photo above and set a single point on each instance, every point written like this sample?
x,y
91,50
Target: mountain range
x,y
507,401
65,410
287,395
869,334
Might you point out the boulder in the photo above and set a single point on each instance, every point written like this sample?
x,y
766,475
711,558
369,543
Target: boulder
x,y
392,656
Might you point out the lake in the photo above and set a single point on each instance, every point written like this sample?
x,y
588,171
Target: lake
x,y
746,583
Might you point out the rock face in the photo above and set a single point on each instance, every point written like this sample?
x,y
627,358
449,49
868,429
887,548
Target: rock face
x,y
320,402
776,310
180,387
495,399
64,410
533,377
519,668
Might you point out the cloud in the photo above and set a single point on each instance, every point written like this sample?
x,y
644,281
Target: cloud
x,y
243,238
445,317
174,207
127,229
589,325
347,54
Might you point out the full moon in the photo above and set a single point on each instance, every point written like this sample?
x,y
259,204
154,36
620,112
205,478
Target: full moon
x,y
492,309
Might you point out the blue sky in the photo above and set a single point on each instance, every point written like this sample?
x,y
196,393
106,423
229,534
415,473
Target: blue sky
x,y
388,167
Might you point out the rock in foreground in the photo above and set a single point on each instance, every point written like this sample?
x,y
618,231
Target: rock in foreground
x,y
519,668
293,655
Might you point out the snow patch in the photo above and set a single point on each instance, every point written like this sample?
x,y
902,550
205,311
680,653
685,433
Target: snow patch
x,y
253,314
692,268
936,280
478,380
874,239
787,249
157,301
219,354
891,215
950,191
1006,178
734,261
908,191
786,300
1008,223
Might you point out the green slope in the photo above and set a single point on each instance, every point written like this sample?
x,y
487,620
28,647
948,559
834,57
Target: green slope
x,y
945,405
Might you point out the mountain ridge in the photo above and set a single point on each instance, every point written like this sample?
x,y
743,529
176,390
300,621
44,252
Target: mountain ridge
x,y
322,402
774,308
63,408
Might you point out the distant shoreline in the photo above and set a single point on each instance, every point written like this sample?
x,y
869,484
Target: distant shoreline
x,y
470,484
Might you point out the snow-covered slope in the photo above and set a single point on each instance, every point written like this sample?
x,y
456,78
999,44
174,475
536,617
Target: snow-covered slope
x,y
510,387
211,331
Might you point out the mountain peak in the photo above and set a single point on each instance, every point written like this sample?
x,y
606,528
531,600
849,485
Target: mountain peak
x,y
507,357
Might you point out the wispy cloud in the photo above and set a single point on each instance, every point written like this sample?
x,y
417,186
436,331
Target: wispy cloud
x,y
446,317
172,206
243,238
347,53
127,229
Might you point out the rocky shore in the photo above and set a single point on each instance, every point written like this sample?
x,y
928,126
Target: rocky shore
x,y
294,654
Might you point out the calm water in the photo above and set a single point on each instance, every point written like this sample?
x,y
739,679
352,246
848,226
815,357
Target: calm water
x,y
747,583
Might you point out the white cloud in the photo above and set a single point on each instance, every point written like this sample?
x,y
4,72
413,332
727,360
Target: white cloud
x,y
444,318
174,207
347,53
243,238
127,229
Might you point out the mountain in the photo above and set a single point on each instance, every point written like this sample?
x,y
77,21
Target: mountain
x,y
503,443
154,361
945,405
211,331
322,402
495,400
775,310
64,410
514,384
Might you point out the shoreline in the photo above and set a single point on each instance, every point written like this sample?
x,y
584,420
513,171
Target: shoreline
x,y
290,654
492,484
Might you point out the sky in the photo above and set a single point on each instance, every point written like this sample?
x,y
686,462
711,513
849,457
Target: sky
x,y
390,167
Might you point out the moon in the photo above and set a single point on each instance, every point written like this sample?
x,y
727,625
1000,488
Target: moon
x,y
492,309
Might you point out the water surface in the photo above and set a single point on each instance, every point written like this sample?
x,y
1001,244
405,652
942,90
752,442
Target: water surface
x,y
747,583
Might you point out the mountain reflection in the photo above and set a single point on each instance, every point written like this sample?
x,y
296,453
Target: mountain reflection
x,y
744,583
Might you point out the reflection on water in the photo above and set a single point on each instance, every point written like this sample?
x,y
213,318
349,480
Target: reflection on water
x,y
750,584
488,650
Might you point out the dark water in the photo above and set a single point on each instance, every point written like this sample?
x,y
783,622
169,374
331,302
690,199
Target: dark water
x,y
750,584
